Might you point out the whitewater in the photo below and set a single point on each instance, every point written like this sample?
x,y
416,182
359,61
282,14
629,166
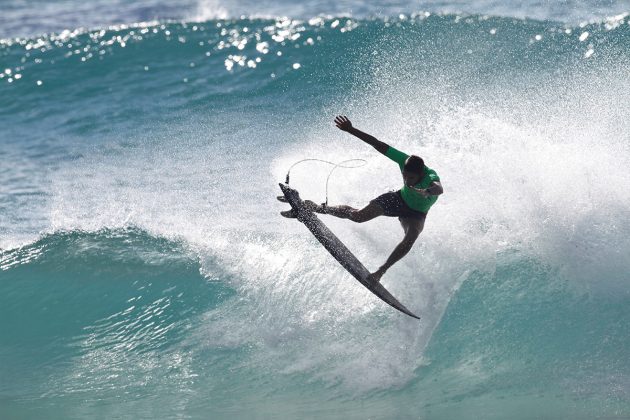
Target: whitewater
x,y
145,271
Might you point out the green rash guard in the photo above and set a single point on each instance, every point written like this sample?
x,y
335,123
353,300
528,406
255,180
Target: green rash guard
x,y
413,199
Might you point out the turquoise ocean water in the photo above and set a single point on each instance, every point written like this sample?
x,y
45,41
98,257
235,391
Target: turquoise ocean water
x,y
145,271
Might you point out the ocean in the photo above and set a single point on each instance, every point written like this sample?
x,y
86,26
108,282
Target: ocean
x,y
145,271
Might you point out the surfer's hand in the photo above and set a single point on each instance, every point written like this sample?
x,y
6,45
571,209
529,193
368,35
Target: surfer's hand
x,y
343,123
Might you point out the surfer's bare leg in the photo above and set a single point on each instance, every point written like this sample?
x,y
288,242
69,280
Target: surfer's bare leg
x,y
368,212
412,228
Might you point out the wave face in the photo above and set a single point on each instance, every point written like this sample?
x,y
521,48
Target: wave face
x,y
145,272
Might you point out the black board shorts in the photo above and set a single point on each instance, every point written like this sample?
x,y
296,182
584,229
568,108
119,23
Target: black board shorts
x,y
394,206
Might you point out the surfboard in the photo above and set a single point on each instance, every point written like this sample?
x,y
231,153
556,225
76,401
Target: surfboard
x,y
338,250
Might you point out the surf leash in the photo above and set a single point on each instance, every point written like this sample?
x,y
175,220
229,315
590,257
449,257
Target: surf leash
x,y
342,164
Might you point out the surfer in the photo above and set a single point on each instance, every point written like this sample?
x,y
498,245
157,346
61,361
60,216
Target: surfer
x,y
410,204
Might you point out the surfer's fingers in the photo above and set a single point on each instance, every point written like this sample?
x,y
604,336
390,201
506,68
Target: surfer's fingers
x,y
341,119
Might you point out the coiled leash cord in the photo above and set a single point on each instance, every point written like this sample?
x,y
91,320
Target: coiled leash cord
x,y
335,166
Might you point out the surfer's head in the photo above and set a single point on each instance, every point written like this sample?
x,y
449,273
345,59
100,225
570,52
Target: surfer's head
x,y
413,171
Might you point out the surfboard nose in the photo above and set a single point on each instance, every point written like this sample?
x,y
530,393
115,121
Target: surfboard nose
x,y
289,192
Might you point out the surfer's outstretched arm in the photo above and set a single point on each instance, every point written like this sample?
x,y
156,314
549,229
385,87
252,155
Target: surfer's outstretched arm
x,y
343,123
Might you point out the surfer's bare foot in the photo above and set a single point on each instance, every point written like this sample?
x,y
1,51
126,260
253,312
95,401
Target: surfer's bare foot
x,y
317,208
375,277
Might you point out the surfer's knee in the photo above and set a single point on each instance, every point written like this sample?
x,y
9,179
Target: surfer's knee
x,y
412,230
367,213
412,226
357,216
364,215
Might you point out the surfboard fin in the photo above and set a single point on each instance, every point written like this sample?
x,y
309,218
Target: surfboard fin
x,y
289,214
